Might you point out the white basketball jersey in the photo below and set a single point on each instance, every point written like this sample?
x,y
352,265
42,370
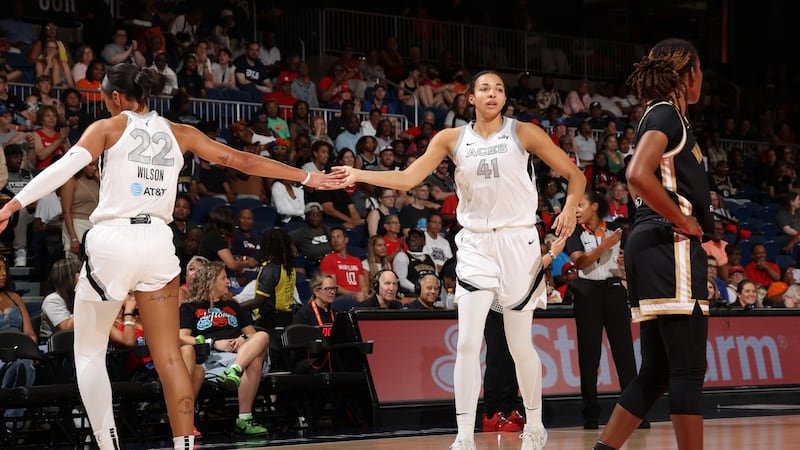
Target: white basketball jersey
x,y
139,173
494,180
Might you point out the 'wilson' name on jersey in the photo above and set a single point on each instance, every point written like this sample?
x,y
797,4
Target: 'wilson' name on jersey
x,y
149,173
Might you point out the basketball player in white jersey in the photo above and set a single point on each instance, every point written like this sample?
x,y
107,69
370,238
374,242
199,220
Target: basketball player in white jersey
x,y
130,245
498,248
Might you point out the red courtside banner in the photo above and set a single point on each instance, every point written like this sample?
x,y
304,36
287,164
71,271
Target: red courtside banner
x,y
413,359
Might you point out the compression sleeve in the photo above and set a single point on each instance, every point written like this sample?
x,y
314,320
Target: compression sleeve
x,y
54,176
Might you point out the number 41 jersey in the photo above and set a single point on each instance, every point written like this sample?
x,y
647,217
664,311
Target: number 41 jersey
x,y
139,173
494,180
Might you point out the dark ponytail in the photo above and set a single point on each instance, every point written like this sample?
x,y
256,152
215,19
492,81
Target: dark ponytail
x,y
596,197
133,82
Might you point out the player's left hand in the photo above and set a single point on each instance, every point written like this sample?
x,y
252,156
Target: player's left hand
x,y
349,175
565,222
557,246
320,180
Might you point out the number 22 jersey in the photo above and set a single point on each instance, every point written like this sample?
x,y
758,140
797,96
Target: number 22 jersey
x,y
139,173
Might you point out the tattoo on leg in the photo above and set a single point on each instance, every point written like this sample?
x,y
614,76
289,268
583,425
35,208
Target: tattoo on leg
x,y
186,405
157,298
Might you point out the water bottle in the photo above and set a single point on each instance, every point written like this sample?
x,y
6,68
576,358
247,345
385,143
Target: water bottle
x,y
450,299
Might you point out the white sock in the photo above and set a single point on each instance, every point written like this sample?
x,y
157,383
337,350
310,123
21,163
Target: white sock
x,y
107,439
183,442
245,415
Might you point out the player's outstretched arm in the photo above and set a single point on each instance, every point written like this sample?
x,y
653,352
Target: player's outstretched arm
x,y
193,140
440,146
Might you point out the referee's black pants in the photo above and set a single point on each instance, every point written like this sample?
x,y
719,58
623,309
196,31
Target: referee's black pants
x,y
500,388
598,305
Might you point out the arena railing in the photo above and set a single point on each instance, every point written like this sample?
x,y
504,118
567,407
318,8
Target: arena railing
x,y
330,30
221,112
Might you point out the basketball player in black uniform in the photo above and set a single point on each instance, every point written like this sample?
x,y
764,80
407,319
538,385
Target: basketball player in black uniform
x,y
664,262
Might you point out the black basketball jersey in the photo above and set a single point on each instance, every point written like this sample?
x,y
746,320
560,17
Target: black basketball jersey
x,y
681,170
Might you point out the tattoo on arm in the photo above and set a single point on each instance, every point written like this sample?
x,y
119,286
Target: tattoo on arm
x,y
224,159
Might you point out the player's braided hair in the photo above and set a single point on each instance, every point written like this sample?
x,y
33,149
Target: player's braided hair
x,y
659,74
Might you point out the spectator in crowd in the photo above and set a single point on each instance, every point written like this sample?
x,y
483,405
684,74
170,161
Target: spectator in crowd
x,y
334,89
15,317
427,291
212,180
578,100
120,50
735,276
347,269
716,245
317,311
319,131
181,224
215,244
747,295
41,96
160,63
441,182
224,33
760,270
386,159
320,155
585,144
38,52
190,82
436,244
616,160
50,64
78,119
410,265
375,218
186,28
720,181
203,60
369,127
713,274
385,295
787,220
598,175
270,54
791,298
223,73
548,95
303,88
378,101
365,148
288,198
8,134
246,241
351,134
300,122
376,260
57,305
279,127
597,117
392,235
312,241
49,143
523,95
414,215
339,208
238,350
714,298
91,83
459,113
384,133
79,198
274,302
283,95
11,102
251,75
347,157
617,197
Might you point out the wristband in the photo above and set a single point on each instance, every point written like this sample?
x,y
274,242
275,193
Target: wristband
x,y
243,336
210,342
128,314
129,322
74,239
552,255
308,177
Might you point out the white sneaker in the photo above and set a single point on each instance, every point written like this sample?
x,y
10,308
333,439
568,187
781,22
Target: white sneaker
x,y
20,258
535,439
462,444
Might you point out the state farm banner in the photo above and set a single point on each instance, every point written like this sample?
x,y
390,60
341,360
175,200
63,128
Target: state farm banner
x,y
414,359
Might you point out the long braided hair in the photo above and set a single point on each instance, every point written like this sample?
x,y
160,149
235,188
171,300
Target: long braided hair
x,y
659,74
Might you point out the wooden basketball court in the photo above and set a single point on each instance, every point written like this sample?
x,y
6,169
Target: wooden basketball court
x,y
762,433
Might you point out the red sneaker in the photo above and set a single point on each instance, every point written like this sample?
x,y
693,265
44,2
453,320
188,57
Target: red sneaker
x,y
517,418
498,423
